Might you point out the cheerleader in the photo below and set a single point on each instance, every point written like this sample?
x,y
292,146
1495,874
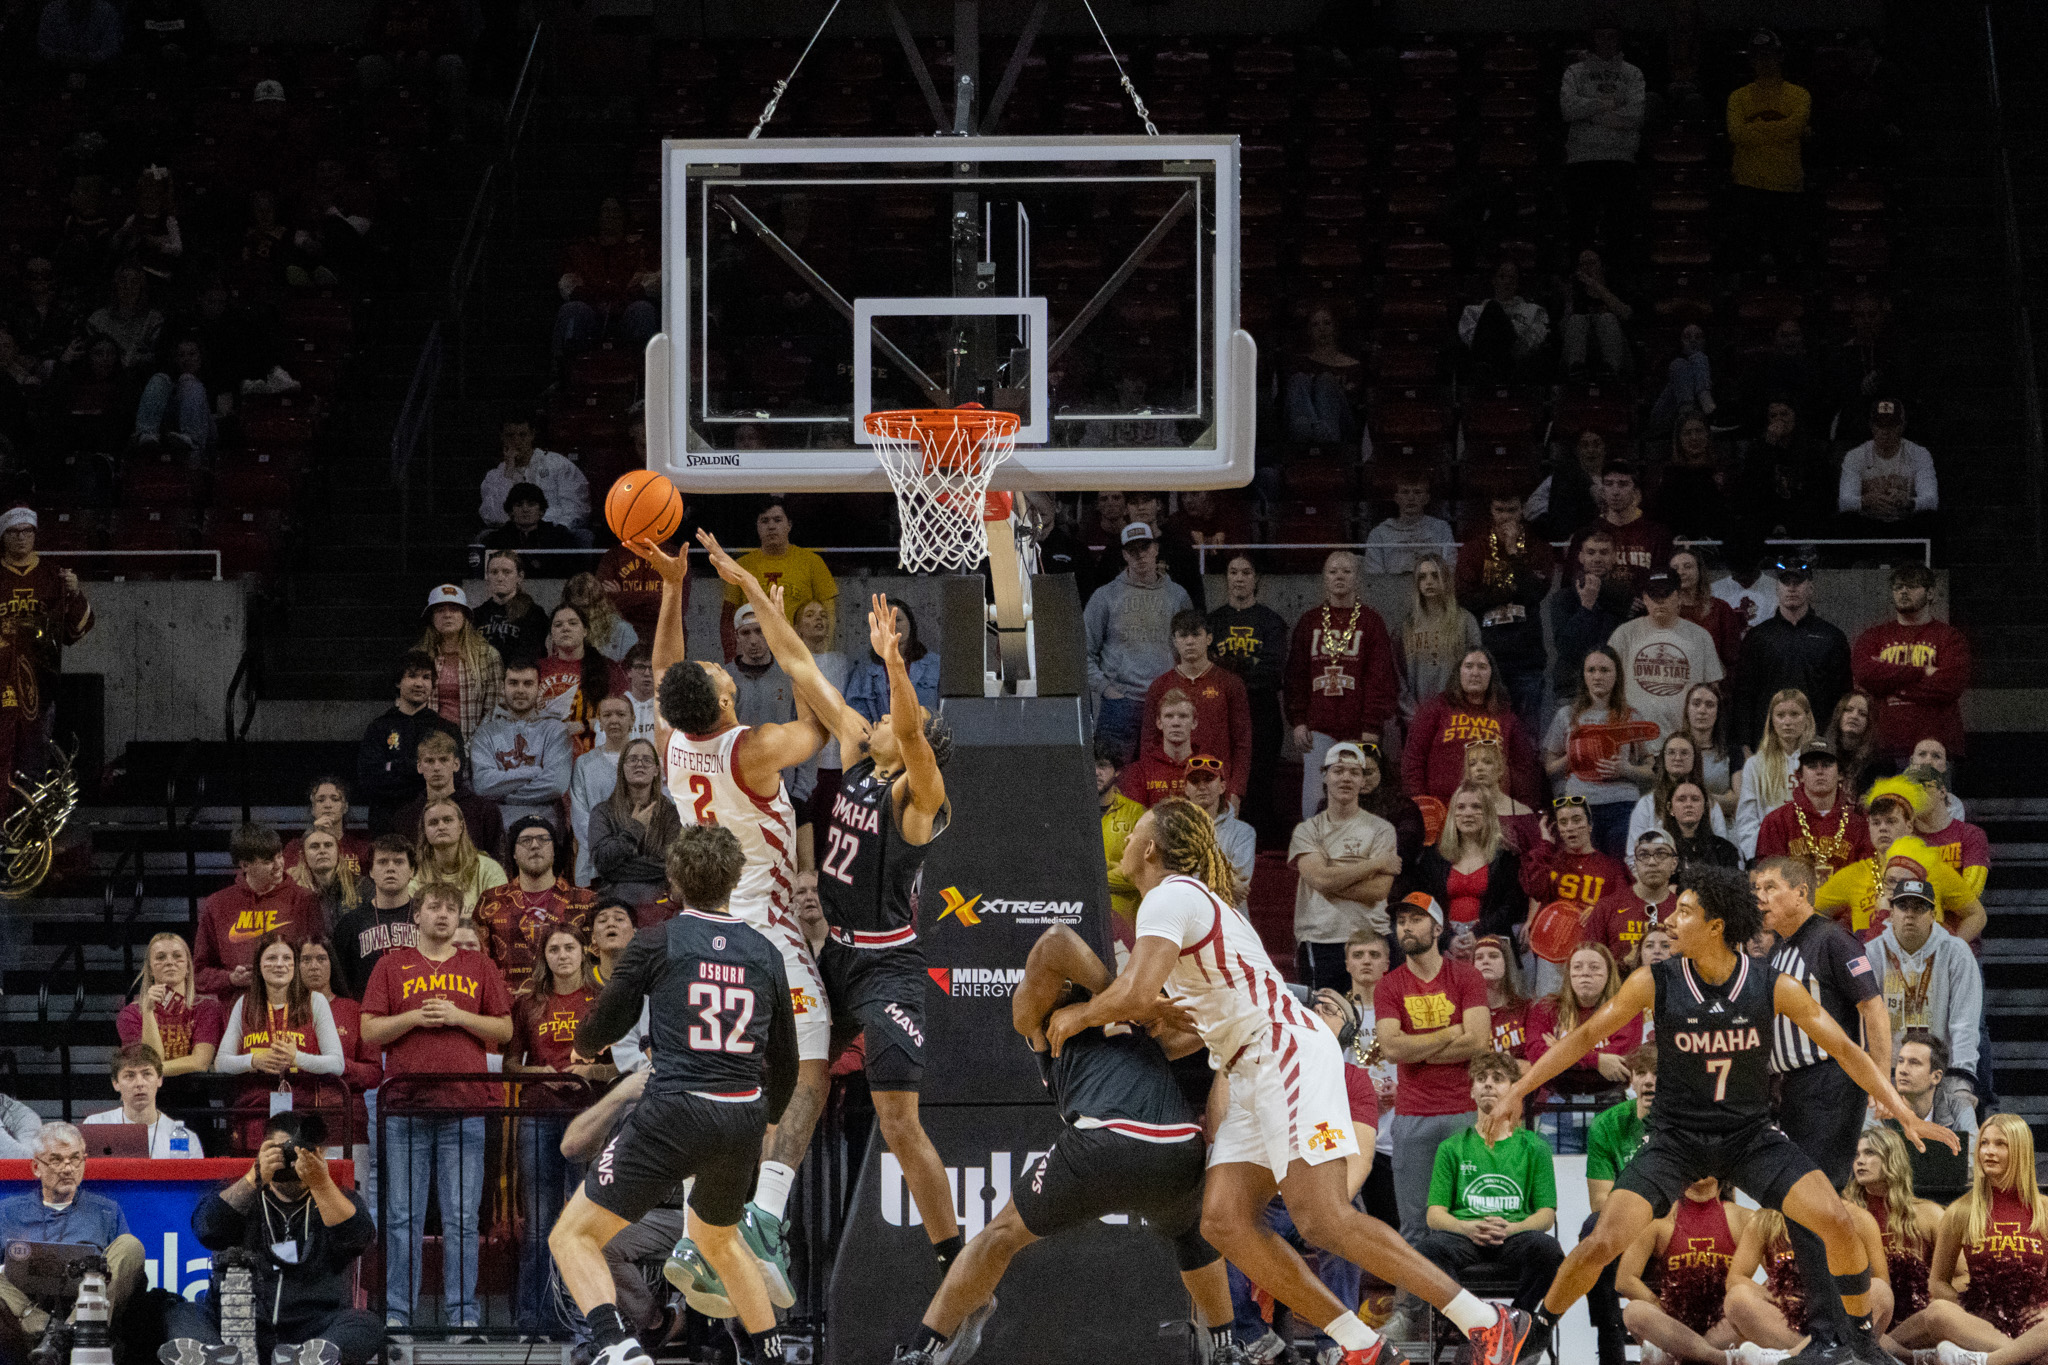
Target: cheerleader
x,y
1882,1182
1997,1235
1686,1255
1773,1314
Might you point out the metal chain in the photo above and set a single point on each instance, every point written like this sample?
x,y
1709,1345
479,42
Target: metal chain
x,y
1137,100
775,96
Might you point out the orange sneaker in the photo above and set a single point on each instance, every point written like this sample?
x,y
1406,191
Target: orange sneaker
x,y
1500,1343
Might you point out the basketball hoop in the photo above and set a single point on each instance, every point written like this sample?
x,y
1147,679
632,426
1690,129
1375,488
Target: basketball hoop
x,y
940,461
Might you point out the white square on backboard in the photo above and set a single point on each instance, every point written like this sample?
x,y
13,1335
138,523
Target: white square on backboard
x,y
1036,429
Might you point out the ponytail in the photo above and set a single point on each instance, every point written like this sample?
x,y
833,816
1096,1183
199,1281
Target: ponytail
x,y
1187,845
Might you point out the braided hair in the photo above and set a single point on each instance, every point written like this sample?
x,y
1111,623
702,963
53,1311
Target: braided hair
x,y
1187,845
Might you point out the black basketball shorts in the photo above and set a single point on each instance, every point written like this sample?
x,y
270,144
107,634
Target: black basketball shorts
x,y
879,993
1759,1160
671,1138
1095,1171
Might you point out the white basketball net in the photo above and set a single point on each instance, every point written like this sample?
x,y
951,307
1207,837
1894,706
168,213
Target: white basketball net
x,y
940,462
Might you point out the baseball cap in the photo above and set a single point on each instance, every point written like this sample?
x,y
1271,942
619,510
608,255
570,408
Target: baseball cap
x,y
267,91
447,595
745,616
1793,567
1913,890
1423,901
1136,532
1660,583
1817,750
1346,750
1923,774
1656,836
1887,412
1766,40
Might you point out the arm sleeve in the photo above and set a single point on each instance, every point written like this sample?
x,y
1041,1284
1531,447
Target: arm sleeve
x,y
376,993
210,977
629,1050
1953,667
624,995
1926,489
365,1070
230,1059
1571,103
1542,1179
610,845
328,1061
1634,100
1095,623
486,778
1177,913
1849,492
1443,1177
1965,1000
782,1058
1240,733
216,1224
491,497
1599,1152
573,494
19,1125
556,757
1749,812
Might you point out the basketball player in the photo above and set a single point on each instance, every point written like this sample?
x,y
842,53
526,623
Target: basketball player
x,y
1288,1125
891,805
1715,1007
1131,1143
721,1024
721,772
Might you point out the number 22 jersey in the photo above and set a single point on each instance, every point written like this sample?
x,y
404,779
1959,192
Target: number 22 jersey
x,y
868,873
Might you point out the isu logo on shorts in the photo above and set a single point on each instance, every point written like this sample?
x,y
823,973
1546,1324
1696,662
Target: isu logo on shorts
x,y
1325,1138
800,1000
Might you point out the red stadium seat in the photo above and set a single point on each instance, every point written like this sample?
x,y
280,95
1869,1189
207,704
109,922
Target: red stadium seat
x,y
1682,191
1344,102
1682,241
1511,56
1593,409
1261,153
165,480
1320,477
607,367
1418,254
277,422
1429,59
1501,418
1510,103
248,541
246,487
1857,244
1424,150
1418,300
1336,152
1182,62
1263,58
1683,145
67,530
1424,103
688,63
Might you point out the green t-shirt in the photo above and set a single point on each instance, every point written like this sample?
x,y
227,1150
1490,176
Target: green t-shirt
x,y
1612,1141
1510,1180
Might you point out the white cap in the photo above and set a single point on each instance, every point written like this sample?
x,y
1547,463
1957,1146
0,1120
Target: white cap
x,y
745,616
1137,531
447,595
17,516
1342,750
1419,900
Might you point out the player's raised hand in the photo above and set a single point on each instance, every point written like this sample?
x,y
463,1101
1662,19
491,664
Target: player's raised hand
x,y
671,568
775,600
728,567
882,628
1499,1122
1919,1131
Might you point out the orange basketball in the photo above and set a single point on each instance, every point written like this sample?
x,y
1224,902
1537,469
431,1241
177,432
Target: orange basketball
x,y
643,505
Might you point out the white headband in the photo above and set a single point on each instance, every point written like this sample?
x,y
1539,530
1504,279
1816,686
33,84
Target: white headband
x,y
17,516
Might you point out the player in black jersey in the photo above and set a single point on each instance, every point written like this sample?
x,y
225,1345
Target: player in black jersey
x,y
1131,1143
891,805
1715,1008
720,1025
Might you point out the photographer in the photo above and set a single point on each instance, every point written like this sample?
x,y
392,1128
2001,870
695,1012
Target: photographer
x,y
304,1234
61,1211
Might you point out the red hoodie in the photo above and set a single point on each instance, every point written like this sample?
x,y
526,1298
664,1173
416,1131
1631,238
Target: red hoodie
x,y
1890,662
1551,872
233,918
1223,721
1345,685
1433,761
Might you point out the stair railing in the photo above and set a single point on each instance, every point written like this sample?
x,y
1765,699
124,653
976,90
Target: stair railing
x,y
2026,373
499,184
412,437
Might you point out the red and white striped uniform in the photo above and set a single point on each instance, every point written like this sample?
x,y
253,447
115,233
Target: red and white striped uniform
x,y
704,779
1288,1100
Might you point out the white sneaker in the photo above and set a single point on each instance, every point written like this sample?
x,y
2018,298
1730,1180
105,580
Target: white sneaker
x,y
1749,1353
1948,1353
627,1352
1267,1348
1926,1355
1652,1354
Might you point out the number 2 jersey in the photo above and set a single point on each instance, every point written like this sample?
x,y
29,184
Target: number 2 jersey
x,y
1713,1047
868,873
717,1001
703,776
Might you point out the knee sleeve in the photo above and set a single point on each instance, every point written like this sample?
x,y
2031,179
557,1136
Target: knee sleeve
x,y
1848,1286
1192,1252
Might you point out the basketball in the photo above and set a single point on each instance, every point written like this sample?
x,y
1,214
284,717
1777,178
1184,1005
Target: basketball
x,y
643,505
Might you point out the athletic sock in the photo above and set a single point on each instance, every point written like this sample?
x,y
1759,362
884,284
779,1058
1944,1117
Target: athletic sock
x,y
771,1192
763,1348
1347,1331
1220,1340
606,1326
1468,1313
947,1250
928,1340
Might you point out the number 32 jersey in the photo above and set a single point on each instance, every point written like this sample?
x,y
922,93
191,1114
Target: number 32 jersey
x,y
704,779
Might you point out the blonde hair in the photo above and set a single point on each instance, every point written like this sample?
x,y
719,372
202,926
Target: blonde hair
x,y
1902,1232
1186,839
600,621
471,648
190,990
1568,1016
344,879
2019,1146
468,862
1773,785
1500,760
1432,633
1451,844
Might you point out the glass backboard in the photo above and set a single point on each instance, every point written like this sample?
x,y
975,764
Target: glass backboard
x,y
1087,284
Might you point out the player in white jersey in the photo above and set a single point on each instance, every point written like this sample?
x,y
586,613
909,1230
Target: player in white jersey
x,y
1289,1123
724,773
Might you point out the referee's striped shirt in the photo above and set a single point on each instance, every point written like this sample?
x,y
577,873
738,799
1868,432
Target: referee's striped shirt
x,y
1791,1049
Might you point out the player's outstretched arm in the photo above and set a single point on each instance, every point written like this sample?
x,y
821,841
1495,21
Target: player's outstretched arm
x,y
906,720
671,635
827,709
585,1135
1059,956
1133,995
1792,1001
1638,993
618,1006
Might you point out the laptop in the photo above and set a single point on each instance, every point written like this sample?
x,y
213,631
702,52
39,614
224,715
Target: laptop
x,y
44,1270
116,1139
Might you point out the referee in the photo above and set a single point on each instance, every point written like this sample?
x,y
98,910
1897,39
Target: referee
x,y
1818,1106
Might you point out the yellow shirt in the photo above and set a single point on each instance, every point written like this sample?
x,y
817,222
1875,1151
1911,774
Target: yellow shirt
x,y
1118,821
803,576
1854,889
1767,130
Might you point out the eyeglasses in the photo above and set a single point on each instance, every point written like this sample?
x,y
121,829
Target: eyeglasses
x,y
1563,801
532,841
61,1163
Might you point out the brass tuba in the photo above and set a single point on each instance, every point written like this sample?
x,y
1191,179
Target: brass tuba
x,y
28,835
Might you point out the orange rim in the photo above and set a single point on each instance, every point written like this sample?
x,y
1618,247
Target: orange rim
x,y
904,424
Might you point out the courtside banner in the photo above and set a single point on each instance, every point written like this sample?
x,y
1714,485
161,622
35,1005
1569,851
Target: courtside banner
x,y
1108,1292
1024,852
